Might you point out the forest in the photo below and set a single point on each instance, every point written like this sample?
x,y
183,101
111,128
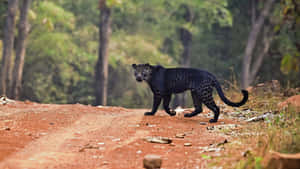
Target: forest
x,y
69,96
66,51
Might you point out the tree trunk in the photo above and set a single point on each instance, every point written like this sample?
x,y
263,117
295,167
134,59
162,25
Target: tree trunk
x,y
267,40
23,29
101,72
8,44
186,39
252,39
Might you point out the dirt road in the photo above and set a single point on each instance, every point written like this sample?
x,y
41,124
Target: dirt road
x,y
77,136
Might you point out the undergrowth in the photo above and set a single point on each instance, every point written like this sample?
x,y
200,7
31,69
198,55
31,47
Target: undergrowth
x,y
280,134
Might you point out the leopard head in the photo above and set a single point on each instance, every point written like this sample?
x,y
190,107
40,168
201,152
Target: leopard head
x,y
142,72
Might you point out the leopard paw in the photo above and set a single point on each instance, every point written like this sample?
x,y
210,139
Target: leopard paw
x,y
213,120
172,113
190,115
149,114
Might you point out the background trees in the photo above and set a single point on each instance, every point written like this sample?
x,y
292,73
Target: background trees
x,y
64,56
257,26
23,29
8,45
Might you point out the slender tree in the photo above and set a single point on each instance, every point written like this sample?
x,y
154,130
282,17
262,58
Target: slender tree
x,y
186,41
101,72
8,45
23,28
249,72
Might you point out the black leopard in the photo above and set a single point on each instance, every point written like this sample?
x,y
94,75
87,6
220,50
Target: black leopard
x,y
166,81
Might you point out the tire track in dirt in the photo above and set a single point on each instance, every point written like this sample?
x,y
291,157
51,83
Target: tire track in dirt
x,y
61,148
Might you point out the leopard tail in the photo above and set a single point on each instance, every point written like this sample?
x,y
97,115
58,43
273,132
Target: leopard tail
x,y
228,102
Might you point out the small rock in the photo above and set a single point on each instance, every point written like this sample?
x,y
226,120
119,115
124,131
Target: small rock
x,y
161,140
43,134
150,125
51,123
222,122
210,127
179,110
286,161
293,101
139,152
4,100
7,128
180,135
211,148
187,144
152,161
203,123
172,144
224,126
105,162
116,139
263,117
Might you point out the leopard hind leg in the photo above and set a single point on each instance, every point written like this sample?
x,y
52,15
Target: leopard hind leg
x,y
197,103
210,103
208,100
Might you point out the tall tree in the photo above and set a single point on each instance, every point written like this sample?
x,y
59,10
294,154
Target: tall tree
x,y
250,69
23,28
8,44
101,72
186,41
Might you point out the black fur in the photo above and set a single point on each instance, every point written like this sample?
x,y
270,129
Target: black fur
x,y
164,82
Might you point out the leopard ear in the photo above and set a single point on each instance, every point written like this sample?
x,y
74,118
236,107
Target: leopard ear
x,y
134,66
147,64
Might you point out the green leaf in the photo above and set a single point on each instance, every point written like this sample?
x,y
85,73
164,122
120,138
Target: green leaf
x,y
205,156
114,3
258,162
31,15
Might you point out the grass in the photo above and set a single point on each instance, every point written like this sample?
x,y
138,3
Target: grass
x,y
281,134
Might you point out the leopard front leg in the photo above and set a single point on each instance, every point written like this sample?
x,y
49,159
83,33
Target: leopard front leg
x,y
156,103
166,103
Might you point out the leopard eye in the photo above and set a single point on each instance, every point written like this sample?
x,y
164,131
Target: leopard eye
x,y
144,74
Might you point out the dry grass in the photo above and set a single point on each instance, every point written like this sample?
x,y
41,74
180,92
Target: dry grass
x,y
281,134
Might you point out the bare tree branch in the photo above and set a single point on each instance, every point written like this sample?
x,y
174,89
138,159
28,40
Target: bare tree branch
x,y
257,63
252,39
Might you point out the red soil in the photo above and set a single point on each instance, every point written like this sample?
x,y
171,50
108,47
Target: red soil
x,y
77,136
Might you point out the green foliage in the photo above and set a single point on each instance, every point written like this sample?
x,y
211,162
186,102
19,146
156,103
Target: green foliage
x,y
290,63
205,156
286,46
55,65
136,49
54,17
114,3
